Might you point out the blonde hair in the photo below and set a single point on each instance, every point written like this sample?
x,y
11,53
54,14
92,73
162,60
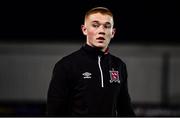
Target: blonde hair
x,y
102,10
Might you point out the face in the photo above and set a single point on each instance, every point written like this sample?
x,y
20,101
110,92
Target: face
x,y
99,30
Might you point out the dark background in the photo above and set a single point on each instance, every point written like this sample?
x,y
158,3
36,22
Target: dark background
x,y
138,21
154,22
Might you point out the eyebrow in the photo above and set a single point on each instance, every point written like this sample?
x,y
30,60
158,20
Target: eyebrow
x,y
95,21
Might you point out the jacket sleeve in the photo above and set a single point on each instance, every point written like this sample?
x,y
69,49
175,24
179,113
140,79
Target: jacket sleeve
x,y
57,98
124,106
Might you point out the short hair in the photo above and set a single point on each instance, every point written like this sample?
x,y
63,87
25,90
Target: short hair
x,y
102,10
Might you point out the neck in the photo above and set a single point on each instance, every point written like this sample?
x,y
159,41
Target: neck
x,y
104,50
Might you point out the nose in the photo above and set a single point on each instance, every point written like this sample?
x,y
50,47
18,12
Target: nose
x,y
101,30
102,33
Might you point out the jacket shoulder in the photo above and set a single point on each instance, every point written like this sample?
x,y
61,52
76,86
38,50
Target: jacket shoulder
x,y
69,58
117,59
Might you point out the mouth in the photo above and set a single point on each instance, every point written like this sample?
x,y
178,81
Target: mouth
x,y
100,38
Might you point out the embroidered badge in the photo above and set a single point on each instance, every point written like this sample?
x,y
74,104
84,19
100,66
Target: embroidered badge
x,y
114,75
86,75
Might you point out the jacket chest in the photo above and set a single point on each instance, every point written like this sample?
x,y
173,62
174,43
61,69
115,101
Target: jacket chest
x,y
98,75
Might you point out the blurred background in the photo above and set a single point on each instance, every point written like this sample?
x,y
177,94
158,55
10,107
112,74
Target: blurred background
x,y
35,35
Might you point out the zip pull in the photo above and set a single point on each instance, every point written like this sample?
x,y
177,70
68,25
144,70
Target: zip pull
x,y
99,63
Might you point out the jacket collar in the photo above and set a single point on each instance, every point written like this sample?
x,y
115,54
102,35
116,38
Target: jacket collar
x,y
94,51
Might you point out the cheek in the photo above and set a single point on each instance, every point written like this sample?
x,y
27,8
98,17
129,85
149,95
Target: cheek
x,y
110,34
91,33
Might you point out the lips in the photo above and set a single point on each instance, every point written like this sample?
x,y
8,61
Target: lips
x,y
100,38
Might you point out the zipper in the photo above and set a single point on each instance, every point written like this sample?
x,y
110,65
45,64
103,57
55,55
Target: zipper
x,y
99,63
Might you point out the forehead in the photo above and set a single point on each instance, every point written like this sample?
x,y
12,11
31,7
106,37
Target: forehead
x,y
102,18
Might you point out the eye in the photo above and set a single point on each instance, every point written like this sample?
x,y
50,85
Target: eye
x,y
95,25
107,26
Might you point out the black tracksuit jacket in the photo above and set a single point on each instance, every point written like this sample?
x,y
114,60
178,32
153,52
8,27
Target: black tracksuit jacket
x,y
89,83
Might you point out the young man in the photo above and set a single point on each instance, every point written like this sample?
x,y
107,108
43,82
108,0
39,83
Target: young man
x,y
91,81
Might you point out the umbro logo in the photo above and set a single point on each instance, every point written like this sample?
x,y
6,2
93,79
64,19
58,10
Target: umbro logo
x,y
86,75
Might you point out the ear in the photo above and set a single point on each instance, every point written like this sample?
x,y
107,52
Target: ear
x,y
113,32
84,29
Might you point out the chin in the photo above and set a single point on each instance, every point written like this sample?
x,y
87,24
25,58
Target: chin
x,y
100,46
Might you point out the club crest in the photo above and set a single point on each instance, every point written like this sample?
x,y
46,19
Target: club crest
x,y
114,75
